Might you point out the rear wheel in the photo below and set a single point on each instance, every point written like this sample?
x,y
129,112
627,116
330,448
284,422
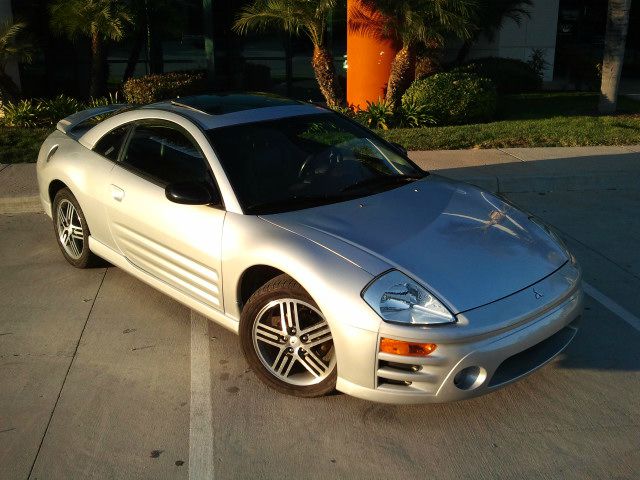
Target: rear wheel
x,y
72,232
287,341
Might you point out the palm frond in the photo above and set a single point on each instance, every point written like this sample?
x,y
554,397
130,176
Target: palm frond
x,y
13,44
493,13
292,16
74,18
421,21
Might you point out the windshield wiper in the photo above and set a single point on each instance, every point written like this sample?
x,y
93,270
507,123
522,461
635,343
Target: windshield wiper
x,y
380,181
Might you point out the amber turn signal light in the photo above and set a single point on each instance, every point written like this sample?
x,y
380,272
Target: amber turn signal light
x,y
410,349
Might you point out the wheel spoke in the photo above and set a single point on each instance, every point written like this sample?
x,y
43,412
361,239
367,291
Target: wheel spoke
x,y
269,335
74,246
283,362
68,217
293,315
317,334
283,317
77,233
312,363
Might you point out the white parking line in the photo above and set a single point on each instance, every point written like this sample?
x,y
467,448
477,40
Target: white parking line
x,y
612,306
201,416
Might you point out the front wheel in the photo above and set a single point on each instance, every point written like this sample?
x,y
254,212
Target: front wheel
x,y
287,341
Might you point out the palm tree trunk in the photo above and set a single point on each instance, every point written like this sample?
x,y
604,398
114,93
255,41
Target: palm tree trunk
x,y
463,52
614,46
134,55
401,75
325,71
98,72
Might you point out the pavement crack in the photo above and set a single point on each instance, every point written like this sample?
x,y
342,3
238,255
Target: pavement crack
x,y
64,380
510,154
142,348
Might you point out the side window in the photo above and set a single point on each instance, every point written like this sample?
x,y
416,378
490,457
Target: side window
x,y
165,154
109,145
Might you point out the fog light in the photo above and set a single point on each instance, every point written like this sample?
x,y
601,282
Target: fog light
x,y
470,377
409,349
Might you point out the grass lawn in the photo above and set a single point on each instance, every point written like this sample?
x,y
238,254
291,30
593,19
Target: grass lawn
x,y
530,120
21,145
533,120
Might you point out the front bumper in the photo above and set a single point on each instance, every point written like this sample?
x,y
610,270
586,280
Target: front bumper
x,y
472,358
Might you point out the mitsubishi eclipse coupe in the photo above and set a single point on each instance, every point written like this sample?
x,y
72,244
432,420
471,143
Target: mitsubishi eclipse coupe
x,y
339,262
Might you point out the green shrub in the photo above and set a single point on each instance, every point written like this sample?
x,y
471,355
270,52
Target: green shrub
x,y
46,112
453,98
154,88
414,114
378,114
103,101
58,107
349,111
25,113
507,74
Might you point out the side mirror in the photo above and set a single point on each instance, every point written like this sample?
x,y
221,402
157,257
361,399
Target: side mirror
x,y
191,193
400,148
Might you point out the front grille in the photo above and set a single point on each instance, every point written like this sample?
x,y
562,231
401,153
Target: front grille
x,y
533,357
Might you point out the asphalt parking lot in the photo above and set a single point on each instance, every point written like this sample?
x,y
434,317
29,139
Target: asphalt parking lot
x,y
103,377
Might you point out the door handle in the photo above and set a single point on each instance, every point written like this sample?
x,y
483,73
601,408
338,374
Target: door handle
x,y
117,193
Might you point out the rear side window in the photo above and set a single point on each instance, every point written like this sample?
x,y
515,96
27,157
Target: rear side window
x,y
165,154
109,145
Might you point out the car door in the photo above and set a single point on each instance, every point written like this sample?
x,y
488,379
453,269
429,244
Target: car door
x,y
176,243
98,166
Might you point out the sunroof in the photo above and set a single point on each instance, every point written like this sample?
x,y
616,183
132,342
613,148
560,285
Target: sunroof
x,y
232,102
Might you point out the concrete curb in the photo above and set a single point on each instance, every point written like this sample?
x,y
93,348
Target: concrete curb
x,y
24,204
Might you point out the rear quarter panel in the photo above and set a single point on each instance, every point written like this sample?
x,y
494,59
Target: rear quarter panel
x,y
84,172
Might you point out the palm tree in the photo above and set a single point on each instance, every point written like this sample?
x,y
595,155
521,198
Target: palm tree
x,y
413,23
13,48
489,18
101,20
295,17
614,46
154,19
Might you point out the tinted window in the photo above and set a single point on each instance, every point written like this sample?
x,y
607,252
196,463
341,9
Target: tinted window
x,y
109,145
165,154
306,161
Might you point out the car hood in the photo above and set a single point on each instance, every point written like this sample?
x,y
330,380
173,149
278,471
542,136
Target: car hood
x,y
465,245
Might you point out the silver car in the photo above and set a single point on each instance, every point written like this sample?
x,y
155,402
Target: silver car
x,y
340,263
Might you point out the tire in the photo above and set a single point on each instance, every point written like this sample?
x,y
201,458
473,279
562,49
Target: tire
x,y
298,361
73,241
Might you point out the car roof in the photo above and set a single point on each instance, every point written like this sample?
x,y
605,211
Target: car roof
x,y
225,109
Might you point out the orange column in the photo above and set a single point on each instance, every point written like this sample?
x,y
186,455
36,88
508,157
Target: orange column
x,y
369,55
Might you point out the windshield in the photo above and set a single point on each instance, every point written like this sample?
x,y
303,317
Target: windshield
x,y
306,161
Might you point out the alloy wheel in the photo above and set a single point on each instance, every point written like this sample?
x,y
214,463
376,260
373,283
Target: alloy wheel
x,y
70,230
293,341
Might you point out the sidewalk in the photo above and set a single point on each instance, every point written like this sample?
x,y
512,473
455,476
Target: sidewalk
x,y
508,170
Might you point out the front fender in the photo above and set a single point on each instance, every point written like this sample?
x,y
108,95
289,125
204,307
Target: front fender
x,y
334,282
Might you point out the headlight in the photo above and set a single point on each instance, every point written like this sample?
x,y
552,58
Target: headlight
x,y
399,299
